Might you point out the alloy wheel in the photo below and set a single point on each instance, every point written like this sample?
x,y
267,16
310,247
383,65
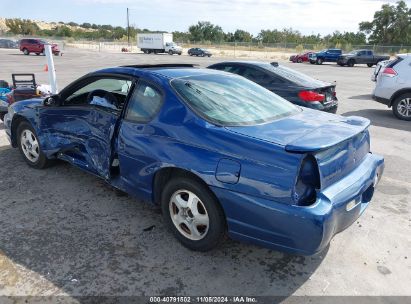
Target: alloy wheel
x,y
404,107
30,146
189,215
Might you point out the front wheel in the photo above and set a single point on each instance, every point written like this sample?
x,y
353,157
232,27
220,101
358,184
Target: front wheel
x,y
299,60
29,146
193,214
26,52
350,63
401,107
170,52
319,61
369,65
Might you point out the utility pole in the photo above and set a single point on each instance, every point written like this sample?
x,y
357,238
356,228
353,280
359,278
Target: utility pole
x,y
128,28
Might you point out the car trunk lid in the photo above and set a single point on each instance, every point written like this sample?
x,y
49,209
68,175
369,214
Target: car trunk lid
x,y
338,143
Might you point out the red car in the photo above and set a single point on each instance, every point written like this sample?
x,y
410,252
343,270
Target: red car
x,y
303,57
36,46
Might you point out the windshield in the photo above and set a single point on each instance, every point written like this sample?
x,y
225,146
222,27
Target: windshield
x,y
353,52
231,100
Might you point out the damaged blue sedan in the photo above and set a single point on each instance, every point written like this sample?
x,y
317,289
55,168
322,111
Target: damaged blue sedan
x,y
218,153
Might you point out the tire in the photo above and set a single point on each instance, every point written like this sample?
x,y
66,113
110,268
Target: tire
x,y
209,56
209,212
25,130
319,61
2,116
26,51
170,52
299,60
401,107
350,63
312,62
369,65
37,54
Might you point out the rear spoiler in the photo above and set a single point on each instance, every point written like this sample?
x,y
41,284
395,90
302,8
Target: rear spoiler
x,y
328,135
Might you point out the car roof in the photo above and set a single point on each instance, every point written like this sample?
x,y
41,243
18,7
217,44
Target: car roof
x,y
164,70
251,62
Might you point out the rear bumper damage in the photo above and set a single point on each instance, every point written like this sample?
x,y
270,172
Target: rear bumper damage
x,y
302,230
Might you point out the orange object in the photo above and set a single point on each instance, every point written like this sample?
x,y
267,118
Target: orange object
x,y
46,68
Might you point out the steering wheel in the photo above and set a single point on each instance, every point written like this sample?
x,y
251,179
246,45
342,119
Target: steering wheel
x,y
104,94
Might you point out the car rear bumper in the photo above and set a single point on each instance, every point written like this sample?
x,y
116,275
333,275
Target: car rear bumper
x,y
382,100
302,230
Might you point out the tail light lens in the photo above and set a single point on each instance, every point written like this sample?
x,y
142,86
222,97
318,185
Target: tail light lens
x,y
311,96
308,182
390,72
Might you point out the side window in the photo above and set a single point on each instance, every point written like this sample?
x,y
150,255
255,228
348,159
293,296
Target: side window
x,y
369,53
228,68
109,91
144,103
255,75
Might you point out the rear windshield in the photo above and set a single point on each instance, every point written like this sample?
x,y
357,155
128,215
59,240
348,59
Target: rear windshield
x,y
230,100
294,76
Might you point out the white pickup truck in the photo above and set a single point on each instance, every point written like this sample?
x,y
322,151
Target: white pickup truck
x,y
158,43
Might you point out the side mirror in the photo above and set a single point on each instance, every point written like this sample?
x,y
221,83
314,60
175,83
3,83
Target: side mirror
x,y
52,101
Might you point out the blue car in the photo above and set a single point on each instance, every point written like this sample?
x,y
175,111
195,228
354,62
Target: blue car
x,y
218,153
328,55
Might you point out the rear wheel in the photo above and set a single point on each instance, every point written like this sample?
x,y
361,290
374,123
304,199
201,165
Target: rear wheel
x,y
401,107
350,63
2,116
299,60
193,214
319,61
29,146
369,65
170,52
26,52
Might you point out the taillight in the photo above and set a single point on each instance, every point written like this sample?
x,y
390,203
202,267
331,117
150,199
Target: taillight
x,y
311,96
390,72
308,182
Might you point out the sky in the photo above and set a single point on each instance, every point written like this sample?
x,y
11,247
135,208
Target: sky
x,y
307,16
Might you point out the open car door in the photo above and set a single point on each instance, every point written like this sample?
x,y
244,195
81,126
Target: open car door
x,y
81,127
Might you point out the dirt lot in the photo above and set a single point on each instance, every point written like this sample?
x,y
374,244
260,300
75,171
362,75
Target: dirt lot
x,y
65,232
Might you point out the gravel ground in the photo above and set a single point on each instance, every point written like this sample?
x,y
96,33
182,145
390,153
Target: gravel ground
x,y
65,232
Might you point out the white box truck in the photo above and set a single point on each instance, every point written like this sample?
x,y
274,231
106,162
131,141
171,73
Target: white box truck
x,y
158,43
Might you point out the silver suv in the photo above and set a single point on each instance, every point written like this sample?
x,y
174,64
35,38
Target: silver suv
x,y
393,86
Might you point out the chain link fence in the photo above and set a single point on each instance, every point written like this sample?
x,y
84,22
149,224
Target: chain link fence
x,y
280,50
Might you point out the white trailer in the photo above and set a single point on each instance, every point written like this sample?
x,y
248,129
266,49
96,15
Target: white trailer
x,y
158,43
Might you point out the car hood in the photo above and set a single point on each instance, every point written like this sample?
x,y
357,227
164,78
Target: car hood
x,y
307,131
28,103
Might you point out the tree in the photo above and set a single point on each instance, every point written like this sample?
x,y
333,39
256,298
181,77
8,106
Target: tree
x,y
206,31
391,25
242,36
22,26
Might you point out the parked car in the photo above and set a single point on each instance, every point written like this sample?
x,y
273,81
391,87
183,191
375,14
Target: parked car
x,y
8,44
393,86
199,52
216,151
327,55
302,57
36,46
294,86
378,68
361,57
